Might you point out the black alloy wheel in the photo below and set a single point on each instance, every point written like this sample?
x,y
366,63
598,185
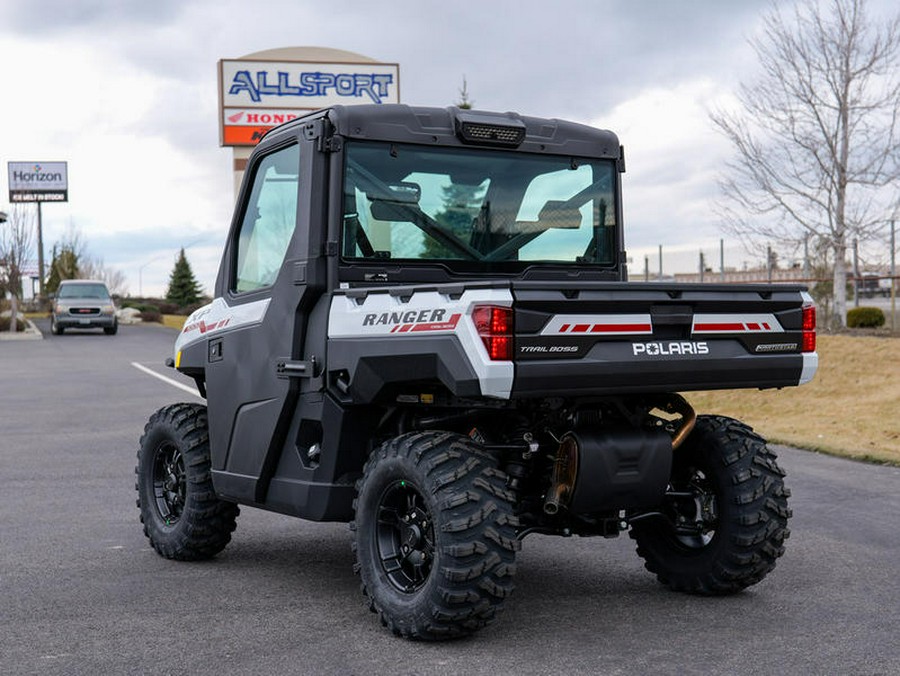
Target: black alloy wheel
x,y
169,482
723,522
405,536
434,535
182,516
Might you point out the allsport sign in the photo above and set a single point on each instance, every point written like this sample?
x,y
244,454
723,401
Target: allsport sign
x,y
258,95
38,182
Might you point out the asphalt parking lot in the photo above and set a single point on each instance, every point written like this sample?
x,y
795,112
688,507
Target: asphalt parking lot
x,y
81,592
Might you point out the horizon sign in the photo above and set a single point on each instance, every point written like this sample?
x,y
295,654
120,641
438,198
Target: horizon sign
x,y
255,96
38,181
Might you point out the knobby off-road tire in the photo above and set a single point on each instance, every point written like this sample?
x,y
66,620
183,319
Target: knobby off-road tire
x,y
181,514
733,475
434,535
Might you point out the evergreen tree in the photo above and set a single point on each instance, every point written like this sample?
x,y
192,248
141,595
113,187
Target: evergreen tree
x,y
183,286
462,205
64,265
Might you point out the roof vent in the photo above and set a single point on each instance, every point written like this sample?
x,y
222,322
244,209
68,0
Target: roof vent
x,y
489,130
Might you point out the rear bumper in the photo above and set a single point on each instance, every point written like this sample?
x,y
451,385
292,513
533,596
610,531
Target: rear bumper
x,y
613,368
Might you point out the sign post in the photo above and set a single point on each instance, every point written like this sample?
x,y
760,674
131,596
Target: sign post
x,y
39,182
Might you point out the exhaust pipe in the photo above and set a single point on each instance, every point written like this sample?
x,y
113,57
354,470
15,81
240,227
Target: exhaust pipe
x,y
565,471
679,405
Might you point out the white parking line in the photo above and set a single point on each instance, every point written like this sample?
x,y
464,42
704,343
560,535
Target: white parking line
x,y
173,383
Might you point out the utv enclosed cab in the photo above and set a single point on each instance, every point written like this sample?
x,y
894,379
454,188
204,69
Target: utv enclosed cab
x,y
423,326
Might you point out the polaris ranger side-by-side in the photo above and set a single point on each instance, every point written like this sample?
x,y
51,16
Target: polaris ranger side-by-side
x,y
422,327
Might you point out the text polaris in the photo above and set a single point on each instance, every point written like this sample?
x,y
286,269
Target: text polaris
x,y
668,349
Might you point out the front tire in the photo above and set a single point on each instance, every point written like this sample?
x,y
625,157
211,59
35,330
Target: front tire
x,y
55,328
434,535
181,514
111,330
724,520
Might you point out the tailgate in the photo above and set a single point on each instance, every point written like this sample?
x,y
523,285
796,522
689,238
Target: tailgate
x,y
614,338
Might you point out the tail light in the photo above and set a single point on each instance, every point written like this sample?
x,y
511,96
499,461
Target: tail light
x,y
495,327
808,341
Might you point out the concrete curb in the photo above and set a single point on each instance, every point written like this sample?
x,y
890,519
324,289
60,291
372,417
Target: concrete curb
x,y
31,332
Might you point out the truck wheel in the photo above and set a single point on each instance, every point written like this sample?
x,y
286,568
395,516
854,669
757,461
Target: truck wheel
x,y
179,509
434,535
724,520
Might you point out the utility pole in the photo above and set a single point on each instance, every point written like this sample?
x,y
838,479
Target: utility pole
x,y
855,272
40,243
722,261
769,263
660,263
702,267
893,277
806,257
646,268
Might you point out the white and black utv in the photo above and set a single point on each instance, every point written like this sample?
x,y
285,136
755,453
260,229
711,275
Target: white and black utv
x,y
422,326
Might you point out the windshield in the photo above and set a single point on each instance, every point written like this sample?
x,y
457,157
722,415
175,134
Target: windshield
x,y
474,209
97,291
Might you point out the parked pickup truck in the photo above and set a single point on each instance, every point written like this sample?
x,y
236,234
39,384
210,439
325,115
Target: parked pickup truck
x,y
422,326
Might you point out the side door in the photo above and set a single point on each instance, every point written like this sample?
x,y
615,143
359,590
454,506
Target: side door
x,y
262,289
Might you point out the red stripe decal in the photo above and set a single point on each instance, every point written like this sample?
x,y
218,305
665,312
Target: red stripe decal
x,y
621,328
437,326
564,328
753,327
580,328
767,327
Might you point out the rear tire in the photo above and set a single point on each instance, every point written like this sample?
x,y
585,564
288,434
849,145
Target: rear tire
x,y
729,533
434,536
181,514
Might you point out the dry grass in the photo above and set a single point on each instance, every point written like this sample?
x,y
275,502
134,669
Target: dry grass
x,y
174,321
849,409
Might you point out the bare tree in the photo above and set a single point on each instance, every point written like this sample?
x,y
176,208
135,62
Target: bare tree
x,y
817,136
88,265
94,268
16,244
465,103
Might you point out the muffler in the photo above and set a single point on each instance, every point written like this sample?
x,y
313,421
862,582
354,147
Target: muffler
x,y
610,470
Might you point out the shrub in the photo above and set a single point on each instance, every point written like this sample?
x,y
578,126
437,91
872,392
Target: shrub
x,y
4,324
141,304
865,318
151,316
190,309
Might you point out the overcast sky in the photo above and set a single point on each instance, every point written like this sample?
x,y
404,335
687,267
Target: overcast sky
x,y
125,91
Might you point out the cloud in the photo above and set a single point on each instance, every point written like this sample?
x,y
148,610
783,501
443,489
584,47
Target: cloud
x,y
54,16
672,160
